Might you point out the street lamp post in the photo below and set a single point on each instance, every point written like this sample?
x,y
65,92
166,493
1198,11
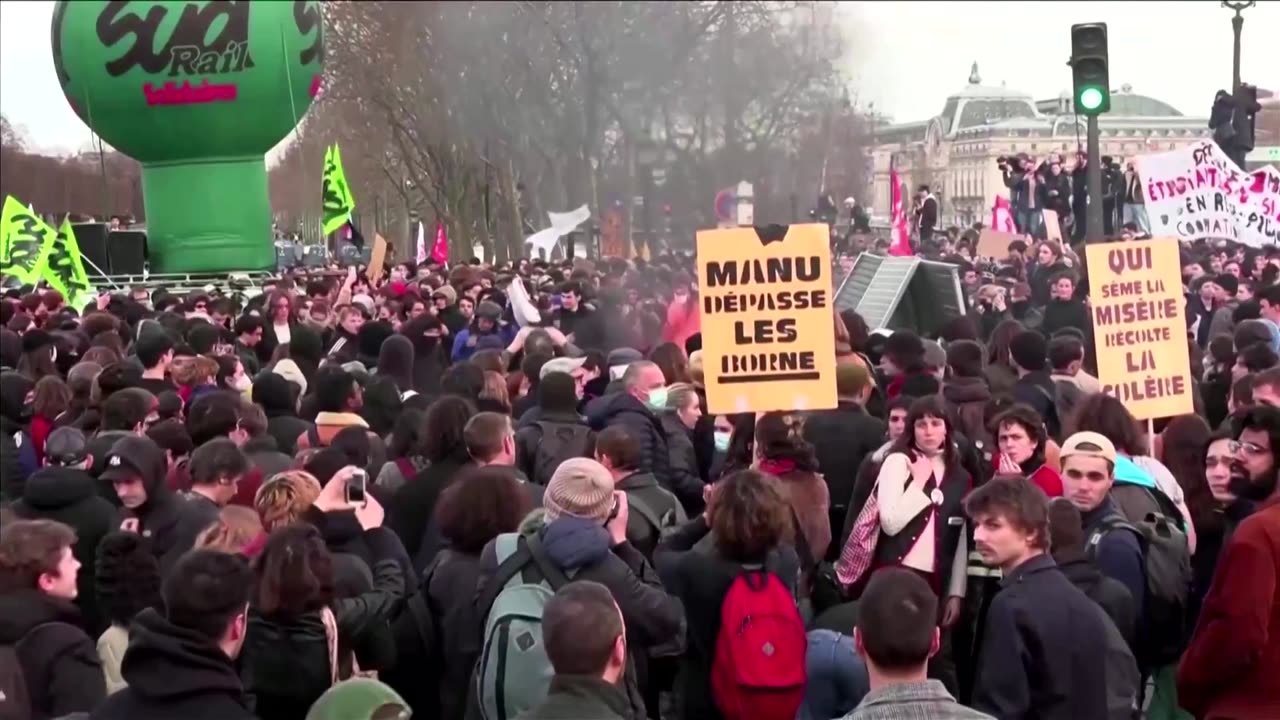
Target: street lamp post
x,y
1237,23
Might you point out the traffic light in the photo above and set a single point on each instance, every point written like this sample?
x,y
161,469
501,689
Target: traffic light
x,y
1089,68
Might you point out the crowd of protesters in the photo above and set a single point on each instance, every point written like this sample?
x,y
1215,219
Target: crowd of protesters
x,y
497,492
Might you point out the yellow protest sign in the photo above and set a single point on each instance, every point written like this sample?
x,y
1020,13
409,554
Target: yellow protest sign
x,y
1138,326
28,240
767,338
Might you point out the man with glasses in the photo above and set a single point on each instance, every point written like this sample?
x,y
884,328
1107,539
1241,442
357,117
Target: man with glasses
x,y
1088,473
1231,665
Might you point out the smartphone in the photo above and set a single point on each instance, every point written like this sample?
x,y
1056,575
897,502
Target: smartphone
x,y
356,487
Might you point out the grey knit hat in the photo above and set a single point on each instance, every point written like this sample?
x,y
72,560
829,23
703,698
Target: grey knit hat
x,y
581,488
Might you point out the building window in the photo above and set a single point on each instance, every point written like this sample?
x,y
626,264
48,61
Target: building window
x,y
1033,147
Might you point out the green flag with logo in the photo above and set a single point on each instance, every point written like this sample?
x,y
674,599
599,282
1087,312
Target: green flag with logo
x,y
27,242
335,192
64,269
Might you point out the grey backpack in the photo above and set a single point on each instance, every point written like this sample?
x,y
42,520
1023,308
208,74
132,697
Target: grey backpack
x,y
514,672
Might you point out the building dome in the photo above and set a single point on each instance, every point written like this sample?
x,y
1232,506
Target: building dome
x,y
977,104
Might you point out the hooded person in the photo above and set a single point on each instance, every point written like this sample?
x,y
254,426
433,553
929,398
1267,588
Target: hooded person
x,y
17,449
63,491
430,356
136,468
369,342
395,362
276,395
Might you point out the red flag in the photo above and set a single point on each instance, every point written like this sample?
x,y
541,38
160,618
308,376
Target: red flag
x,y
440,251
1002,216
901,242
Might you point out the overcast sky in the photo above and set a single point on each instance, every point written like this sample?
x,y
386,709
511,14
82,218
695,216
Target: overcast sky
x,y
906,57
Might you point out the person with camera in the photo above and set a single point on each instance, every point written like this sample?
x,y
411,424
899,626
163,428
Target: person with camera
x,y
1055,192
1019,176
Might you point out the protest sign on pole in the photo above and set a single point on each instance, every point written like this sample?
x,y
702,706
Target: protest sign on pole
x,y
1052,230
1139,332
766,296
1198,192
994,243
378,258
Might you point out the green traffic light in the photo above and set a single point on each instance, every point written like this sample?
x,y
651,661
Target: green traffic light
x,y
1090,99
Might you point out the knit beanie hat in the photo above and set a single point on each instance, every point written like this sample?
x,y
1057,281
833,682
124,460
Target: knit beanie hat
x,y
581,488
359,699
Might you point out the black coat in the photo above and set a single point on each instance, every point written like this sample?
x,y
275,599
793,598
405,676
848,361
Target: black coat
x,y
70,497
625,410
1060,314
701,581
1042,649
685,480
59,661
841,439
581,696
1037,390
414,503
174,673
285,660
1110,594
286,429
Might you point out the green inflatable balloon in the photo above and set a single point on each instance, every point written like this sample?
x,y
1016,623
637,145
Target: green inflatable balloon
x,y
197,92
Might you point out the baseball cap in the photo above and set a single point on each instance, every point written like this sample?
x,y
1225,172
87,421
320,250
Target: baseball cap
x,y
581,488
120,467
359,699
66,446
563,365
1089,444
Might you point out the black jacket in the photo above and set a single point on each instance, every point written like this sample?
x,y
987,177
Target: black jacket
x,y
286,429
1059,202
580,696
285,660
161,516
685,480
701,581
1041,279
414,503
1110,594
1036,389
70,496
59,661
1042,649
174,673
967,400
841,439
640,422
1060,314
529,436
643,488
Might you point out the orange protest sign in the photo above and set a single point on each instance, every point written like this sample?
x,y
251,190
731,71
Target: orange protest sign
x,y
1138,326
378,258
767,339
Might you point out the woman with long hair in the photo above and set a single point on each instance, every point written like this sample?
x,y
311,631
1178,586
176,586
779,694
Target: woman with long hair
x,y
749,524
405,457
302,638
278,324
444,447
782,451
920,489
51,399
670,358
1001,376
1215,513
39,355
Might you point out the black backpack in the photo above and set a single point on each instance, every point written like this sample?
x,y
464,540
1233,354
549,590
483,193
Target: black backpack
x,y
15,700
560,441
1166,566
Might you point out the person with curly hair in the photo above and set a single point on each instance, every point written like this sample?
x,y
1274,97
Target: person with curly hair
x,y
749,523
127,581
284,497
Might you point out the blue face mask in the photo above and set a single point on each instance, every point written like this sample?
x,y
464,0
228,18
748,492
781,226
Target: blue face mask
x,y
722,441
658,399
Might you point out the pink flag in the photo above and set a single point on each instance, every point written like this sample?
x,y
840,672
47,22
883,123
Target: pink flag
x,y
422,243
1002,216
901,242
440,251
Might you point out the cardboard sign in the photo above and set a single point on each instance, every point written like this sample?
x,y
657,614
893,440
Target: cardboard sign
x,y
995,244
1198,192
767,337
1138,326
378,258
1052,230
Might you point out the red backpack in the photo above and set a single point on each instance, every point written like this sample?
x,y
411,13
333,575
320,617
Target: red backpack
x,y
758,670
